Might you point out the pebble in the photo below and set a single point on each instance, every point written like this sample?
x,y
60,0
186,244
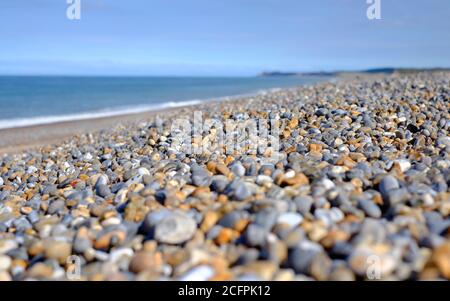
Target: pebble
x,y
199,273
387,184
242,191
7,245
255,235
370,208
58,250
175,228
103,190
301,258
291,219
143,261
238,170
5,263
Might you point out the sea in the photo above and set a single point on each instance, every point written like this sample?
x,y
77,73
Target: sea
x,y
34,100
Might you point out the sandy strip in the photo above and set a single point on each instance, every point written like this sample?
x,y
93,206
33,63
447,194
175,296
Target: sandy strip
x,y
18,139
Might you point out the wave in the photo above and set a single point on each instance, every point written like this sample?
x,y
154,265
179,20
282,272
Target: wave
x,y
110,112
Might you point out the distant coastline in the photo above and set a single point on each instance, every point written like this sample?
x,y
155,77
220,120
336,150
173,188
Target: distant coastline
x,y
387,70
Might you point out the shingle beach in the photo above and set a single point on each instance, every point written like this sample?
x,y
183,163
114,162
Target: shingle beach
x,y
360,191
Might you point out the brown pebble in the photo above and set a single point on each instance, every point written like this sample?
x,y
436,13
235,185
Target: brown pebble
x,y
210,219
441,258
58,250
145,261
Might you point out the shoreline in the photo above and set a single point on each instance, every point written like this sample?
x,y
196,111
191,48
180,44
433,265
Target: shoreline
x,y
27,137
14,140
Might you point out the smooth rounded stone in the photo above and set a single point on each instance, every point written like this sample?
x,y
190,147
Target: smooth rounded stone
x,y
22,224
56,206
33,217
387,184
396,196
118,186
121,254
263,179
214,232
255,235
200,177
304,204
276,251
219,183
101,180
67,219
341,249
143,261
40,271
336,215
5,262
262,268
443,142
7,246
320,267
403,164
103,191
266,218
198,273
301,257
230,220
436,223
291,219
242,191
249,255
152,219
321,112
292,237
175,228
143,171
58,250
51,190
81,245
326,183
371,231
237,169
370,208
342,274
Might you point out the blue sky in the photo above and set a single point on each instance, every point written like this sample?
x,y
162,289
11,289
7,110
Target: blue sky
x,y
220,37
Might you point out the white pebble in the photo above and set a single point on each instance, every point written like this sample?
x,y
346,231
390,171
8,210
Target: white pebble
x,y
5,262
118,254
31,169
262,179
403,164
290,218
200,273
7,245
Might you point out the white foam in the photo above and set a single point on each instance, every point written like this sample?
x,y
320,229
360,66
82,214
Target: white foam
x,y
110,112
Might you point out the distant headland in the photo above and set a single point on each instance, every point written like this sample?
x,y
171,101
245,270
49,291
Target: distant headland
x,y
335,73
